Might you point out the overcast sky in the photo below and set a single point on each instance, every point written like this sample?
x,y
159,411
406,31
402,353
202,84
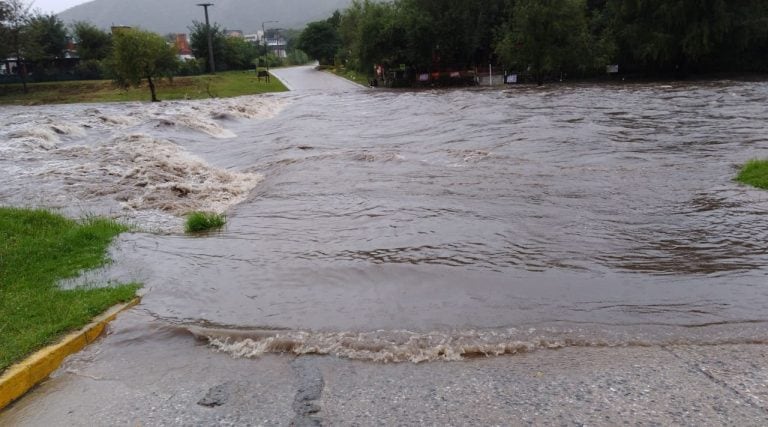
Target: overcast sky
x,y
55,6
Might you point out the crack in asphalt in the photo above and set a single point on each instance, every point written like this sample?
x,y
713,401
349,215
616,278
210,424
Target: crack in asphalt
x,y
310,390
695,367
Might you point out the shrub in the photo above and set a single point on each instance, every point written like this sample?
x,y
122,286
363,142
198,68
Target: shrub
x,y
204,221
755,173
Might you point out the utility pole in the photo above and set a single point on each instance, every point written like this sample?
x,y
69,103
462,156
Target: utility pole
x,y
266,47
210,37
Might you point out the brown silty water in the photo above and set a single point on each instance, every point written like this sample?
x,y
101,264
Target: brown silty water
x,y
444,224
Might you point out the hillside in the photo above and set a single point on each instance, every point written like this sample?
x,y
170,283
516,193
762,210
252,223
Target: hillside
x,y
168,16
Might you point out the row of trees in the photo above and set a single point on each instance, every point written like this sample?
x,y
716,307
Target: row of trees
x,y
547,37
36,44
37,38
234,53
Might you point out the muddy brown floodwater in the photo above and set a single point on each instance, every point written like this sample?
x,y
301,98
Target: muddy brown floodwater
x,y
438,224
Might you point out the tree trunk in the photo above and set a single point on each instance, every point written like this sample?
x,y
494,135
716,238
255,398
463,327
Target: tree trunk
x,y
152,89
21,68
24,77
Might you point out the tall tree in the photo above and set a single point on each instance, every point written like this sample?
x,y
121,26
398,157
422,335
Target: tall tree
x,y
547,36
47,39
198,41
4,12
238,54
321,41
141,55
16,16
669,35
92,42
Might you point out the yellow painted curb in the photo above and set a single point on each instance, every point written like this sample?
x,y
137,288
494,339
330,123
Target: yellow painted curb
x,y
21,377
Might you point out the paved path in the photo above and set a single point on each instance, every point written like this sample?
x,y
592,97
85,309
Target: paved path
x,y
308,78
183,382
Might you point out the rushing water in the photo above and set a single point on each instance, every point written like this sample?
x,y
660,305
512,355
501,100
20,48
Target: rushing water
x,y
424,225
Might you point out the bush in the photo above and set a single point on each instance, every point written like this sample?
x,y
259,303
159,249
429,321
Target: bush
x,y
204,221
755,173
192,67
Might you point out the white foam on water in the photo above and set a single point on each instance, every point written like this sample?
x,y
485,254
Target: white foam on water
x,y
407,346
388,346
35,138
145,173
117,159
253,107
197,123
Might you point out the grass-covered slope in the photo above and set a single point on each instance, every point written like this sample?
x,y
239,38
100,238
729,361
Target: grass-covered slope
x,y
221,85
37,249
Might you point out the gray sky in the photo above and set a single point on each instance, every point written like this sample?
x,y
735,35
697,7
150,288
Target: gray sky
x,y
55,6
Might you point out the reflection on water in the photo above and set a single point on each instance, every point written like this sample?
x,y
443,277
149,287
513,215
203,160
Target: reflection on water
x,y
595,214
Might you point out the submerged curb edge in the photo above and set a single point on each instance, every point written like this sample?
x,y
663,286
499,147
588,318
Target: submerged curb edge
x,y
21,377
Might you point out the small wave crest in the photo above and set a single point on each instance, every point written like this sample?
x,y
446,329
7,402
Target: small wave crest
x,y
415,347
145,173
195,123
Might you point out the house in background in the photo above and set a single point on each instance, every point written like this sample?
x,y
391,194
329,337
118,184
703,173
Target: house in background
x,y
182,44
276,43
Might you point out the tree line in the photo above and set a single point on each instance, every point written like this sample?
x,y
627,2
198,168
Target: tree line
x,y
34,46
547,38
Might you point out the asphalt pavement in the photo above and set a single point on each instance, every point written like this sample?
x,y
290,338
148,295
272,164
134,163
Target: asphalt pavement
x,y
179,380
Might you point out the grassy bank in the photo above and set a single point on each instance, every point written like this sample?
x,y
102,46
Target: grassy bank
x,y
227,84
37,249
349,75
755,173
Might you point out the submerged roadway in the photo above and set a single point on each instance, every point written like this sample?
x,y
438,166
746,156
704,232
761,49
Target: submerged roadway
x,y
181,381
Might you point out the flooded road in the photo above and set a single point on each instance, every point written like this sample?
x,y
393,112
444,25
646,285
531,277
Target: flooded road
x,y
418,226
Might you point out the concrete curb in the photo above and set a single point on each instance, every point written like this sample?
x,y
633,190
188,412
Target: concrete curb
x,y
20,378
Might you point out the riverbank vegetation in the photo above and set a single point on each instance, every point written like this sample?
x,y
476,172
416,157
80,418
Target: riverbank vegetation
x,y
550,39
38,249
349,74
755,173
198,222
38,48
220,85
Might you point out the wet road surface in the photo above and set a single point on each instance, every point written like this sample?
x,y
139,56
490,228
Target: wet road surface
x,y
421,226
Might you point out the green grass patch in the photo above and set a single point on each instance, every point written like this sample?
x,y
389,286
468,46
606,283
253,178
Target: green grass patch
x,y
221,85
350,75
37,249
198,222
755,173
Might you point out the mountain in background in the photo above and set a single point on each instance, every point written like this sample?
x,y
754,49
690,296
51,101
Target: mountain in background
x,y
174,16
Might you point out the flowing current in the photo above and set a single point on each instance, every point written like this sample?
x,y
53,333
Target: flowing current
x,y
437,224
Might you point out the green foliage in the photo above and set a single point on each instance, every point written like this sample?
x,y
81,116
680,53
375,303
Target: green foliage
x,y
198,41
37,249
549,37
546,36
320,40
191,67
296,57
225,84
16,34
47,38
141,55
238,54
204,221
755,173
229,53
92,43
